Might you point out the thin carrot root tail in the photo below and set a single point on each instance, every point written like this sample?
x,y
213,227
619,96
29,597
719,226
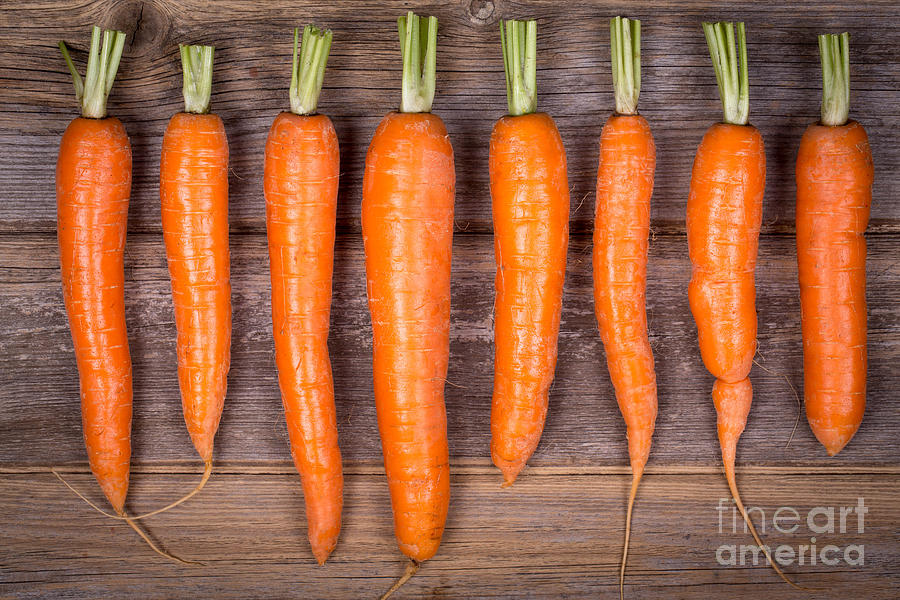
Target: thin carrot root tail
x,y
207,471
638,471
322,552
80,495
152,545
411,569
732,485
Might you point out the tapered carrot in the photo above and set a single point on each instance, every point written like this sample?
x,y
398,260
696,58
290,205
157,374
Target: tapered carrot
x,y
724,214
621,232
407,223
301,184
834,193
193,189
530,200
93,185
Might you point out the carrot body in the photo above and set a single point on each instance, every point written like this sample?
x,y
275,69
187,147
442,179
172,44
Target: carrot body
x,y
834,192
301,184
724,215
530,199
93,184
194,193
407,223
621,232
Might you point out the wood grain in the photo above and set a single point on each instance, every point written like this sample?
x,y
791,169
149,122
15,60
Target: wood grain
x,y
555,536
584,425
557,532
253,47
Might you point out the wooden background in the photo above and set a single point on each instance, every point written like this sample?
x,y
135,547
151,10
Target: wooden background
x,y
558,531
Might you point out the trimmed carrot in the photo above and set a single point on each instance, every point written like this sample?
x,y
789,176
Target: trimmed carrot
x,y
530,198
193,189
724,215
93,186
407,223
834,193
621,232
302,164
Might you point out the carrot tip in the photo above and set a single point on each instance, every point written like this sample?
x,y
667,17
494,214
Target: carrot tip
x,y
510,471
411,569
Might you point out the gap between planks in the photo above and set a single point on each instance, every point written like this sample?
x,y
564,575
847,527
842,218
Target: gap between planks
x,y
467,467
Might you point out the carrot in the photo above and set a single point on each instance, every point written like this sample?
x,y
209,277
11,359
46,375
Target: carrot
x,y
407,225
530,199
193,188
724,214
93,185
301,184
621,232
834,193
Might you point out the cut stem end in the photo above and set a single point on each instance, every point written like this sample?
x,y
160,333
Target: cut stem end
x,y
102,66
418,47
625,46
835,53
197,67
519,42
730,64
308,69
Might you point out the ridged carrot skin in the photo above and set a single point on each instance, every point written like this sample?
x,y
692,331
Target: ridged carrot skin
x,y
194,193
407,223
724,215
834,193
621,237
530,199
93,185
301,185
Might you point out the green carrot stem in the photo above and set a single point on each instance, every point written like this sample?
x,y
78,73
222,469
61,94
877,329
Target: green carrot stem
x,y
731,69
519,42
625,43
102,66
835,52
308,69
197,67
418,47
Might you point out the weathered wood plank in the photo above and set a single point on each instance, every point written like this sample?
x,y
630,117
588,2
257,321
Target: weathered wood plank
x,y
547,537
253,48
39,414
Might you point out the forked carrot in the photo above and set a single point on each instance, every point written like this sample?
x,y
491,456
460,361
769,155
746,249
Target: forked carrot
x,y
530,206
302,165
834,193
724,215
407,224
621,234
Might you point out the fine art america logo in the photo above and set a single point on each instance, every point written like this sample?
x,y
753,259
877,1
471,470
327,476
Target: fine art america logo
x,y
818,521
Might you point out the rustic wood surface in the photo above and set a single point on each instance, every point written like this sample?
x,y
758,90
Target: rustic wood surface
x,y
558,531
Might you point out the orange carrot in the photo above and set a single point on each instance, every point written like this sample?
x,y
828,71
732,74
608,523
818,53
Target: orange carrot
x,y
407,223
724,214
621,231
301,185
193,188
530,198
834,193
93,185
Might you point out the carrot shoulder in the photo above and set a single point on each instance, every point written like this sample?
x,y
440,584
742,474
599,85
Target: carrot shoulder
x,y
834,193
530,204
302,165
407,223
194,193
621,232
